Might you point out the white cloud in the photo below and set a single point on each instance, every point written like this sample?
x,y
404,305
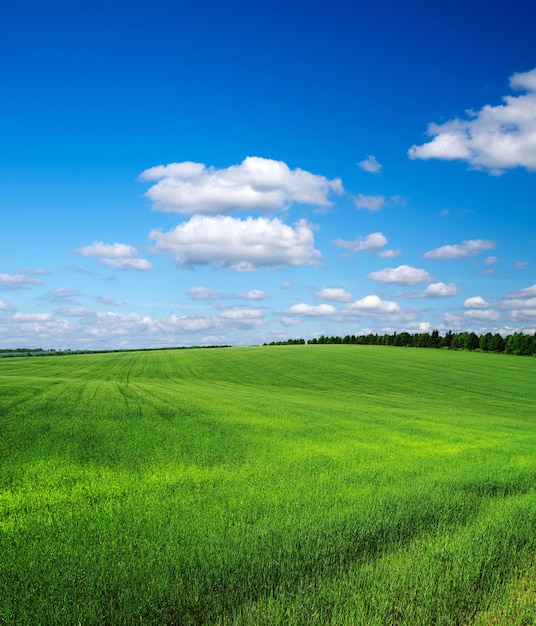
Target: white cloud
x,y
462,250
202,293
482,315
310,310
239,245
520,303
523,315
424,327
29,318
370,164
114,250
117,255
528,292
128,264
476,302
371,305
3,306
441,290
371,243
243,318
495,138
403,274
370,203
334,294
290,321
19,280
253,294
389,254
286,285
491,260
256,184
188,323
521,265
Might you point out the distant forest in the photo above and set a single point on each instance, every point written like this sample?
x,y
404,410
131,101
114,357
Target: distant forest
x,y
517,343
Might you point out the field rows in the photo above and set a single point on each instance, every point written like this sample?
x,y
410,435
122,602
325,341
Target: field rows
x,y
283,485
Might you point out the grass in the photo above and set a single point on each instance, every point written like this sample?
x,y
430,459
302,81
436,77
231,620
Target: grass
x,y
290,485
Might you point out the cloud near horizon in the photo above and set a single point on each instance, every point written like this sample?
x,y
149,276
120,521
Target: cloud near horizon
x,y
371,305
238,245
256,184
495,138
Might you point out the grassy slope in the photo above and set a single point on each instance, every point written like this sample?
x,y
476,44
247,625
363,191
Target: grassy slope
x,y
306,484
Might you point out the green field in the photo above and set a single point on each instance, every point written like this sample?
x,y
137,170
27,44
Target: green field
x,y
268,485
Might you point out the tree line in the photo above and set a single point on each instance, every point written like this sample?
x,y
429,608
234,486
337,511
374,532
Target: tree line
x,y
517,343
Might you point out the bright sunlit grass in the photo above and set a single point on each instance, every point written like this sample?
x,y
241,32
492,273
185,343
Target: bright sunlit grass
x,y
287,485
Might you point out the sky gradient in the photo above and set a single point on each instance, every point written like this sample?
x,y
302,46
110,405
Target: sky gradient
x,y
237,173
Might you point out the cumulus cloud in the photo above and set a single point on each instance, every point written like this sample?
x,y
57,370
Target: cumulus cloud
x,y
371,305
117,255
476,302
441,290
242,318
521,304
15,281
468,248
371,243
334,294
495,138
238,245
256,184
403,274
311,310
253,294
23,328
370,203
370,164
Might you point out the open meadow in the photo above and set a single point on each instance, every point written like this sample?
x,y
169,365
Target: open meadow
x,y
291,485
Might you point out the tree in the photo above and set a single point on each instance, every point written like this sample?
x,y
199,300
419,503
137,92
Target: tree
x,y
496,343
485,342
471,342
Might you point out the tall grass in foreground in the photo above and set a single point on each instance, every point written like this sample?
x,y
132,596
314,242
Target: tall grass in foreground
x,y
299,485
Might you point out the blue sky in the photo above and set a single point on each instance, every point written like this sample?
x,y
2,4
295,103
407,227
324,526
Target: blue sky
x,y
239,173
